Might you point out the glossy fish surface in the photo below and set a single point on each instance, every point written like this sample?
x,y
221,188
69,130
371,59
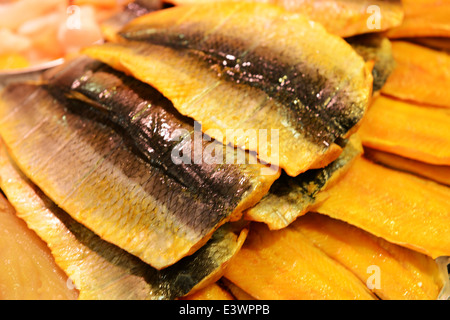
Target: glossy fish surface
x,y
100,270
87,169
224,70
291,197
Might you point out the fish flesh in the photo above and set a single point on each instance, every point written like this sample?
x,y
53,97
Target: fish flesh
x,y
285,265
392,272
420,76
102,271
27,268
344,18
378,50
408,130
439,174
87,169
240,82
292,197
423,18
396,206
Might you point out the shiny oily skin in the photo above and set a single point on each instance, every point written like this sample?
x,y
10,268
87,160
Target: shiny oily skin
x,y
101,270
150,123
86,168
230,74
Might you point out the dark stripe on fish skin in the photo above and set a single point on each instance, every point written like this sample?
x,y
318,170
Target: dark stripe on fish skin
x,y
146,119
317,110
200,215
167,284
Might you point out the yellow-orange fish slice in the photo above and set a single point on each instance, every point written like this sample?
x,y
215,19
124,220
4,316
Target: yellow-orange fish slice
x,y
292,197
439,174
285,265
287,94
421,75
397,206
88,169
408,130
342,17
392,272
423,18
27,268
100,270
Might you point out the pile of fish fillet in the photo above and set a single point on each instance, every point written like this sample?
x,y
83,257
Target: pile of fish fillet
x,y
105,196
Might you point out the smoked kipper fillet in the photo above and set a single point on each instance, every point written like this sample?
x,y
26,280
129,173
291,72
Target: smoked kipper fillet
x,y
27,268
102,271
298,85
87,169
396,206
291,197
408,130
341,17
423,18
421,75
285,265
392,272
439,174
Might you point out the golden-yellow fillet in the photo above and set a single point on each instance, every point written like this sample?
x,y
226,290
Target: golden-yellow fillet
x,y
397,206
285,265
392,272
421,75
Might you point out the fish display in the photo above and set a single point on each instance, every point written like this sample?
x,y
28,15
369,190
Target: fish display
x,y
232,150
238,83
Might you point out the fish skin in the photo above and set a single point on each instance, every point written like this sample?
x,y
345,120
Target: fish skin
x,y
396,206
292,197
404,274
195,48
101,270
86,168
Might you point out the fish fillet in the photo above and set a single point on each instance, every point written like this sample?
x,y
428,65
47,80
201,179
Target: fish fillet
x,y
102,271
291,197
283,94
407,130
421,75
87,169
396,206
392,272
341,17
